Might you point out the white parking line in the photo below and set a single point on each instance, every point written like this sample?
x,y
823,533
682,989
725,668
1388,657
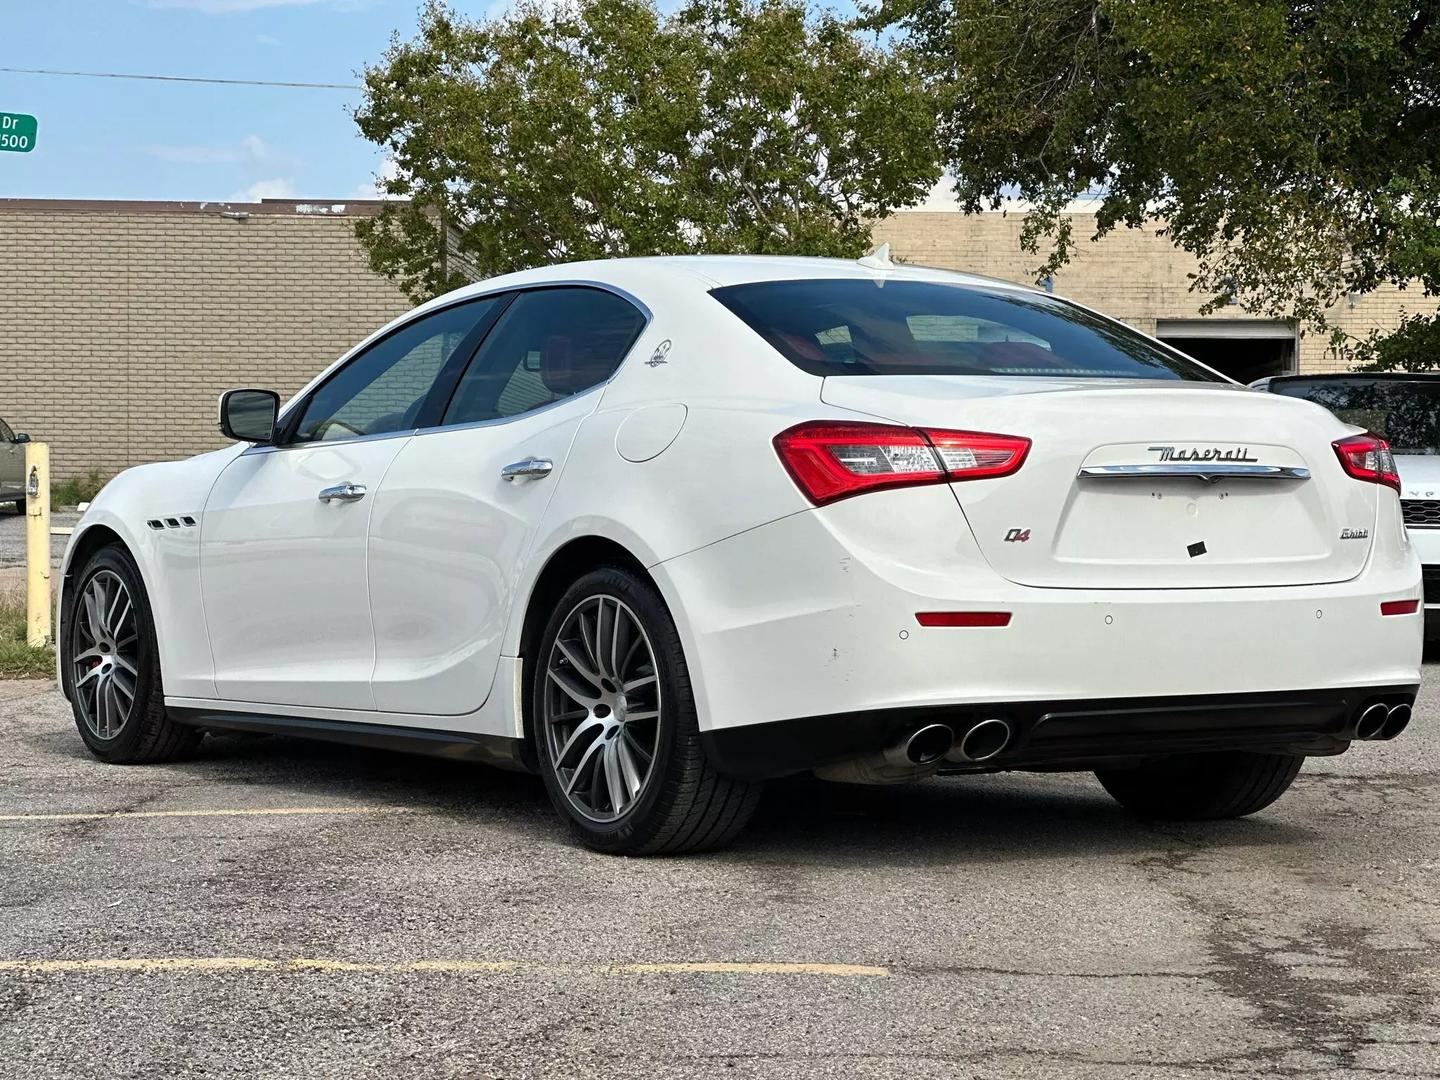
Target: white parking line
x,y
264,812
205,964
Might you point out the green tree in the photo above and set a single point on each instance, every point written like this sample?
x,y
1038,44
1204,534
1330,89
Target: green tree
x,y
1292,147
602,128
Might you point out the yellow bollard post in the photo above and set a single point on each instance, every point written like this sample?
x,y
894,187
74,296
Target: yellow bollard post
x,y
37,543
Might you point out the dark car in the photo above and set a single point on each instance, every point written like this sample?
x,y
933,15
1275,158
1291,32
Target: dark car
x,y
1404,410
12,467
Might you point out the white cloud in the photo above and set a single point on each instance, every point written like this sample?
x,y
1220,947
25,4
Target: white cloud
x,y
279,188
501,8
374,189
251,148
266,39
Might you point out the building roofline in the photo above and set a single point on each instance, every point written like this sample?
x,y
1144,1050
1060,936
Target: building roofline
x,y
264,208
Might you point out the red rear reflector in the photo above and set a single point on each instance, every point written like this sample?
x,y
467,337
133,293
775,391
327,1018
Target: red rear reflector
x,y
1368,458
1399,607
963,618
832,460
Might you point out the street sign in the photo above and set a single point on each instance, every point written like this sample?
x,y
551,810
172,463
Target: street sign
x,y
17,132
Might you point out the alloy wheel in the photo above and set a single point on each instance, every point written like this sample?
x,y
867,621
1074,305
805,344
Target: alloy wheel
x,y
104,667
602,708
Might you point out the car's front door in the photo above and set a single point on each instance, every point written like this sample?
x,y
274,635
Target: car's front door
x,y
458,510
283,539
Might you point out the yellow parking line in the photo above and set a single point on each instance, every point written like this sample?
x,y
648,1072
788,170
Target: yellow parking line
x,y
156,964
265,812
727,968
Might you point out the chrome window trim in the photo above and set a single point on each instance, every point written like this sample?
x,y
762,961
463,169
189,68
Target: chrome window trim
x,y
349,440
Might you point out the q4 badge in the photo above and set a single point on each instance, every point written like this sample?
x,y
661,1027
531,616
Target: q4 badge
x,y
1017,536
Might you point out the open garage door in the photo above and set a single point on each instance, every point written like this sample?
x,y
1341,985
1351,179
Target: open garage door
x,y
1244,349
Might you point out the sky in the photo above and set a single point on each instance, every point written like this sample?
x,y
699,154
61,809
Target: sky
x,y
117,139
123,139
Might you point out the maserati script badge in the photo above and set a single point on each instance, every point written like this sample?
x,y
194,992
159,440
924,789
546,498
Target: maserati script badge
x,y
1195,453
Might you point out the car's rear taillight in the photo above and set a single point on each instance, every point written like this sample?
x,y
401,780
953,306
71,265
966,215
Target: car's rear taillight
x,y
1368,458
832,460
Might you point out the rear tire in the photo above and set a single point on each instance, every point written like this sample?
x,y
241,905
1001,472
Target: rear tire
x,y
111,667
1201,787
612,708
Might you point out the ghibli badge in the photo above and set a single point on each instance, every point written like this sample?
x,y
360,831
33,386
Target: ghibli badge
x,y
1354,534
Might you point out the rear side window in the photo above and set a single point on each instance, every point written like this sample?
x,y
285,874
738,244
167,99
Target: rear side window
x,y
549,344
841,326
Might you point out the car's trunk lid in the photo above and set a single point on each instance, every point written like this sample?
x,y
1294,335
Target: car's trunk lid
x,y
1097,503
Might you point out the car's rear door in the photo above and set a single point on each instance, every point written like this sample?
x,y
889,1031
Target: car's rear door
x,y
283,538
459,507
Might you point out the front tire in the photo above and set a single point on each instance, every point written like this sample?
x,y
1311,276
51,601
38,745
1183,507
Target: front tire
x,y
111,667
1203,787
615,728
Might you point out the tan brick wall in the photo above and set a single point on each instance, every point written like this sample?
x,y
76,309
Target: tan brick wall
x,y
1133,275
123,323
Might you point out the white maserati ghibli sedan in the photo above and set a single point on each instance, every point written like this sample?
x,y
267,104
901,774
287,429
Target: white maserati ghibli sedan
x,y
660,529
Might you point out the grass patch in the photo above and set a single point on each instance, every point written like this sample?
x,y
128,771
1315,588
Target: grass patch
x,y
77,489
17,659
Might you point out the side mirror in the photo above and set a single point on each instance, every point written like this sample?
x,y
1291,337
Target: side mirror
x,y
249,415
20,437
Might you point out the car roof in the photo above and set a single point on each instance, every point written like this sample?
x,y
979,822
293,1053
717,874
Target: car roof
x,y
1332,376
723,270
706,272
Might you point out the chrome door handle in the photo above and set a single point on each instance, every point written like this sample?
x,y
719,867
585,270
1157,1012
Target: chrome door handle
x,y
531,466
343,493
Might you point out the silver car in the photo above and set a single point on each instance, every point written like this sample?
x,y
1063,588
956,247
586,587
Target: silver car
x,y
12,467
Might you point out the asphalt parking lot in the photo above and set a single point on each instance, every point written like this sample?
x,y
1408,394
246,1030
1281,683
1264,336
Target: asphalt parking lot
x,y
279,908
12,536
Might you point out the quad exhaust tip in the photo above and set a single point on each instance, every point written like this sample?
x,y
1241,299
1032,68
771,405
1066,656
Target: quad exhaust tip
x,y
1396,721
1372,721
928,744
985,740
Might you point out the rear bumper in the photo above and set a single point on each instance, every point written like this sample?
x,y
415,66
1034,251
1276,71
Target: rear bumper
x,y
1068,735
814,615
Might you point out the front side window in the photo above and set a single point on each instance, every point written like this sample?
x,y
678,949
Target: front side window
x,y
383,389
549,344
853,326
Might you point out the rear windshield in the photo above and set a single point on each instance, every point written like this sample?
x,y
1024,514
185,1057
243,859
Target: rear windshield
x,y
862,327
1403,412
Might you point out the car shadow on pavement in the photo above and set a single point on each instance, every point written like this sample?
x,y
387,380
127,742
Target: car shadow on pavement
x,y
1002,818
